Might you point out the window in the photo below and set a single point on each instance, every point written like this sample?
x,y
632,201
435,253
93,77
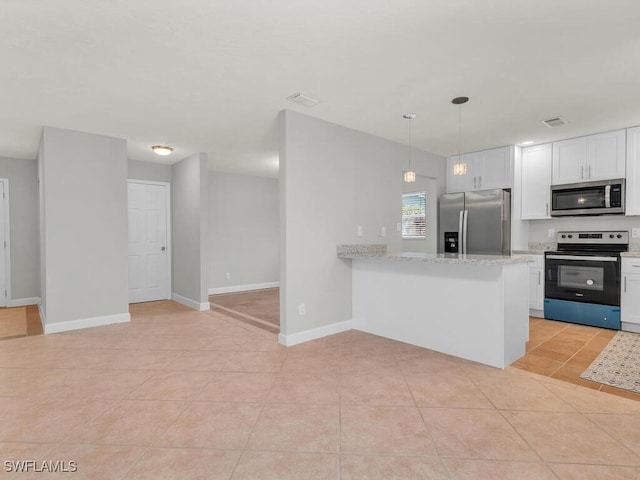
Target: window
x,y
414,208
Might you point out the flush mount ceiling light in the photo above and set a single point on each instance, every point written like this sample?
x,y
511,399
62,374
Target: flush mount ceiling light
x,y
409,175
163,150
302,99
460,168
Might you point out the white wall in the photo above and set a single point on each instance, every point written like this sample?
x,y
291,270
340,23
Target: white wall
x,y
23,204
244,230
153,172
332,179
83,179
189,205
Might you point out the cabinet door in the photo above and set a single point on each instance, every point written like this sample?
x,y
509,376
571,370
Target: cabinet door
x,y
536,288
493,168
632,206
606,156
458,181
536,181
630,298
569,161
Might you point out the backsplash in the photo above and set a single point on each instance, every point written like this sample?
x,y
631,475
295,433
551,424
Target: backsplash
x,y
538,229
542,246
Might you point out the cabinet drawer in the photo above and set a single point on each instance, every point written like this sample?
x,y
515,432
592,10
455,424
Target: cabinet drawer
x,y
538,261
631,265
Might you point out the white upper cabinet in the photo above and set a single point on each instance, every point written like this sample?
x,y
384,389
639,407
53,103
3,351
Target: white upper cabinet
x,y
494,168
569,160
606,153
594,157
536,182
483,170
632,206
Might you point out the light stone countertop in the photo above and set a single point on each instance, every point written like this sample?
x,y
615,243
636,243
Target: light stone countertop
x,y
528,252
630,254
448,258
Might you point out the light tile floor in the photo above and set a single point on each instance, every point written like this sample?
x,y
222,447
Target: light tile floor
x,y
179,394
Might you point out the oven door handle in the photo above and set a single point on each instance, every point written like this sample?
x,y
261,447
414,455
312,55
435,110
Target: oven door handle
x,y
584,258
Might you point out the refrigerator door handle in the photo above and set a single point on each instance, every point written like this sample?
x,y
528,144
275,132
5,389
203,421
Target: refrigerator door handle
x,y
460,232
464,231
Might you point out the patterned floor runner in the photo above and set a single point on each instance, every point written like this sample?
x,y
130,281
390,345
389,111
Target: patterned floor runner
x,y
618,364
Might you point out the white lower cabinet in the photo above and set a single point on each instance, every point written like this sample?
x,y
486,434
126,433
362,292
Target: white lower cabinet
x,y
630,295
536,286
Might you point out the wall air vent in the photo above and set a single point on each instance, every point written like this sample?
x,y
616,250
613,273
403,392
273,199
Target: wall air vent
x,y
302,99
554,122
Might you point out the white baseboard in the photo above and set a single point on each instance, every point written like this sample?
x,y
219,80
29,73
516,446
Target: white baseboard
x,y
43,319
243,288
191,303
84,322
314,333
536,313
630,327
23,302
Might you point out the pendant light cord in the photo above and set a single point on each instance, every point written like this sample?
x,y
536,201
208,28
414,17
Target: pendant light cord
x,y
410,144
459,133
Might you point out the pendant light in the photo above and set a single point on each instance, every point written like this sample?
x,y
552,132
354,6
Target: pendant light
x,y
460,168
409,175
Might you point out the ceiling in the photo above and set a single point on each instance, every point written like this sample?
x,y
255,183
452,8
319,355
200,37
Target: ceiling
x,y
212,76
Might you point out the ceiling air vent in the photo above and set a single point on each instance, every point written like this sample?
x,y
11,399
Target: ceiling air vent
x,y
302,99
554,122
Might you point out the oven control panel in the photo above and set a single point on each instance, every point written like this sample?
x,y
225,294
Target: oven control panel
x,y
612,237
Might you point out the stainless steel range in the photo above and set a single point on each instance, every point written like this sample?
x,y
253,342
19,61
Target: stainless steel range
x,y
582,278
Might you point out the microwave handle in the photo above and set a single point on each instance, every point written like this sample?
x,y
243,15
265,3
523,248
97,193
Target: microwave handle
x,y
607,196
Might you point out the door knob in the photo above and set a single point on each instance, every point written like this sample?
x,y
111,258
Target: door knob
x,y
163,248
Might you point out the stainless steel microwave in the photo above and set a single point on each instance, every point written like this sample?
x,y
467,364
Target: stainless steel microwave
x,y
589,198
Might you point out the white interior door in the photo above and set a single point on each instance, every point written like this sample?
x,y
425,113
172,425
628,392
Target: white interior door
x,y
148,242
3,247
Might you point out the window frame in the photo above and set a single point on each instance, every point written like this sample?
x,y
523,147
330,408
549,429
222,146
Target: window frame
x,y
402,231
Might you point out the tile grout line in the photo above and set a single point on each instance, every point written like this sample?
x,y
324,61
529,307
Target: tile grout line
x,y
262,409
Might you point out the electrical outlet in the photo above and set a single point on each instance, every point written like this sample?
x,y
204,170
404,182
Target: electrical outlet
x,y
635,232
228,275
359,230
383,231
302,309
551,232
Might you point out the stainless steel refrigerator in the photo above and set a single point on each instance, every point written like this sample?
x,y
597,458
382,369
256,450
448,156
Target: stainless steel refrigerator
x,y
475,222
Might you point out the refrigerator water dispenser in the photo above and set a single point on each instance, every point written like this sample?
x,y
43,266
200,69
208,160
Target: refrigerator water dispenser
x,y
451,242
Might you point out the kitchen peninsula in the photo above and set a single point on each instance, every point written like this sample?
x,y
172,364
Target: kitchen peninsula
x,y
469,306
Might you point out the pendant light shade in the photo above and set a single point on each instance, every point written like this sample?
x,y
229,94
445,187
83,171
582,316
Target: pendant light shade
x,y
409,175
